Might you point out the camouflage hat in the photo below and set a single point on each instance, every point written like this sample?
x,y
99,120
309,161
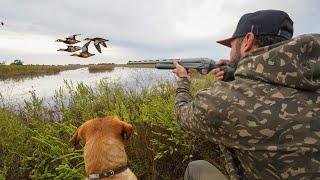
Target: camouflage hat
x,y
264,22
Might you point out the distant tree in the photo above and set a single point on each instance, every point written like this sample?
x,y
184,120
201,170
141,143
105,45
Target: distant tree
x,y
3,63
17,62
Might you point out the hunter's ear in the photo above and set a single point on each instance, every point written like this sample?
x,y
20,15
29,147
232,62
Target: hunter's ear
x,y
127,130
248,42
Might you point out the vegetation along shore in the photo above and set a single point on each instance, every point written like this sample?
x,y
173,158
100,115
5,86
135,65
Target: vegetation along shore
x,y
96,68
15,71
36,138
20,71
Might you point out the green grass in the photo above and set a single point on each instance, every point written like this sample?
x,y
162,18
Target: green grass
x,y
35,139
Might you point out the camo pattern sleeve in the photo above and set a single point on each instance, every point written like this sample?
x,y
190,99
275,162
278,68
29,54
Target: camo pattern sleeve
x,y
195,114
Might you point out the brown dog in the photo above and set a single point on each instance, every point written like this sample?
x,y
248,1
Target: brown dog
x,y
104,153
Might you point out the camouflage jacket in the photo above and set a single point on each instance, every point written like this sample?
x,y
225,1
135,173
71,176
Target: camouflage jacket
x,y
268,117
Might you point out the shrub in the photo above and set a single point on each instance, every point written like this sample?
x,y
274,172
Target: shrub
x,y
17,62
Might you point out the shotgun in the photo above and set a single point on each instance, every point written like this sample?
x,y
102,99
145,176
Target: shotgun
x,y
202,65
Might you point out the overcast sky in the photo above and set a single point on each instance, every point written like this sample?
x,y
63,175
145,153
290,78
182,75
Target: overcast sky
x,y
137,29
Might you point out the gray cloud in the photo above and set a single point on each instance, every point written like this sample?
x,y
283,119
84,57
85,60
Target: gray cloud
x,y
143,29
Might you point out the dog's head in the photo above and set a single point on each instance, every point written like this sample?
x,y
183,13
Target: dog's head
x,y
109,127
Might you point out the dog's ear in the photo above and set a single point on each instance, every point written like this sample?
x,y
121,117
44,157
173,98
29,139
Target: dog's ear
x,y
79,134
75,138
127,130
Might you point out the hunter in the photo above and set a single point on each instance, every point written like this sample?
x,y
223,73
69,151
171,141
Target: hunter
x,y
267,120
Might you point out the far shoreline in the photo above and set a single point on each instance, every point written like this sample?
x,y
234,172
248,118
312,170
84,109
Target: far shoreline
x,y
8,72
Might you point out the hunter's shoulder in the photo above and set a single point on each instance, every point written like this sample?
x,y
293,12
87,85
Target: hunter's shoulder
x,y
307,37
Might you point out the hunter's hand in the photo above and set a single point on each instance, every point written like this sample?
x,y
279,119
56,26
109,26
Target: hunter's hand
x,y
180,71
217,71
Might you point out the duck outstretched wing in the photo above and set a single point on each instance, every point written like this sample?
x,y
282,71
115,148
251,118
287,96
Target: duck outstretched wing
x,y
85,47
103,43
73,36
101,39
97,47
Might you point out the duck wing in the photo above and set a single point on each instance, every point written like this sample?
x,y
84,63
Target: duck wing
x,y
101,39
97,47
85,47
73,36
103,43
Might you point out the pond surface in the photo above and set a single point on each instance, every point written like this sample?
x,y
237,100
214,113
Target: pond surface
x,y
14,92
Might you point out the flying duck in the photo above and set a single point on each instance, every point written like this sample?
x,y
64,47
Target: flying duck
x,y
97,41
71,49
69,40
84,53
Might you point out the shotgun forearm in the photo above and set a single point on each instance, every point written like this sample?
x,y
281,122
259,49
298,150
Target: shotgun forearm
x,y
200,64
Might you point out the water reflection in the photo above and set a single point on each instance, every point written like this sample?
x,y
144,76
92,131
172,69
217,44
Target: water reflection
x,y
16,91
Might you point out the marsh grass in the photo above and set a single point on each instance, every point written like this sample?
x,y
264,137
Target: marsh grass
x,y
101,68
21,71
35,139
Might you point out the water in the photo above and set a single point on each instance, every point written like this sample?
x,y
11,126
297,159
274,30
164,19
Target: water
x,y
14,92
